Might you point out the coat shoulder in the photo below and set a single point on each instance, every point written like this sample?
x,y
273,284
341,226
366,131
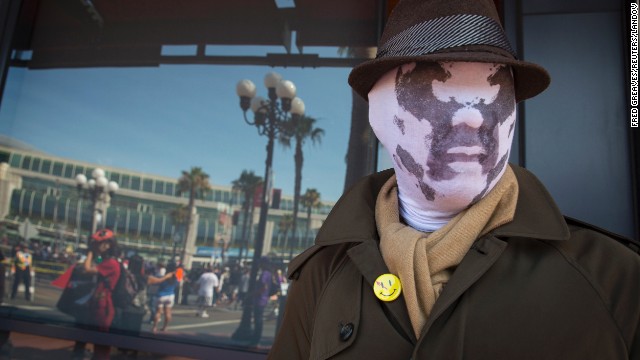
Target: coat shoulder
x,y
577,225
600,253
610,264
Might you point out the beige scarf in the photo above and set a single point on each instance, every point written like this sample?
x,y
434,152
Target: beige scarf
x,y
424,262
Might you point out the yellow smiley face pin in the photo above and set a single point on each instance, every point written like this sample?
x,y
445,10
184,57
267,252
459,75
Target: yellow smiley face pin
x,y
387,287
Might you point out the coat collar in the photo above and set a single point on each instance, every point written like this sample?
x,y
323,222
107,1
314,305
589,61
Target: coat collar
x,y
353,217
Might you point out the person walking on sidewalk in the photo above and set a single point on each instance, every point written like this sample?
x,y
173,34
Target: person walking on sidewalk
x,y
166,299
206,283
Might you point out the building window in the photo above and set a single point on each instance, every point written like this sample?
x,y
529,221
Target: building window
x,y
217,195
114,176
135,183
26,163
126,181
159,187
68,171
57,168
15,160
46,166
147,185
35,165
169,189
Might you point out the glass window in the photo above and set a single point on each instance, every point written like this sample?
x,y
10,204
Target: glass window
x,y
49,205
4,156
135,183
46,166
169,189
57,168
146,227
124,88
68,170
125,181
15,160
133,222
26,163
159,187
115,176
147,185
217,195
35,164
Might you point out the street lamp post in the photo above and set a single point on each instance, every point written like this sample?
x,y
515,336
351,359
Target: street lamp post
x,y
99,191
177,239
269,118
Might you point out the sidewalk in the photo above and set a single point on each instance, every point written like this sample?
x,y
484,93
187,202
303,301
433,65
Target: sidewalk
x,y
32,347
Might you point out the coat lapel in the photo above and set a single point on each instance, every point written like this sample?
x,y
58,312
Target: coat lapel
x,y
482,255
368,259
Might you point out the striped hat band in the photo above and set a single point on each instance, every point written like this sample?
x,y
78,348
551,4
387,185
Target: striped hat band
x,y
446,32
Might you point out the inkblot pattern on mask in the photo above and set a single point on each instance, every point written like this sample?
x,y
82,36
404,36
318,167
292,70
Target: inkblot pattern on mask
x,y
414,93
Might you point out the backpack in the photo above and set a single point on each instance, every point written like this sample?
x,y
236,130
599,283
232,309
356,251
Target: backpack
x,y
126,289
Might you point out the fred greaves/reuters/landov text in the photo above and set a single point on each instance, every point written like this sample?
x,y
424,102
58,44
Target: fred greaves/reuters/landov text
x,y
634,63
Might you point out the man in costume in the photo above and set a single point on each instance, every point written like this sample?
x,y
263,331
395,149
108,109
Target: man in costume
x,y
455,253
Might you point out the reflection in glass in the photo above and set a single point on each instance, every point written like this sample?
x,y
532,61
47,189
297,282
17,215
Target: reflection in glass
x,y
144,116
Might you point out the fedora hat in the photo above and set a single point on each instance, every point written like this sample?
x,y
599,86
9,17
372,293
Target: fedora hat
x,y
447,30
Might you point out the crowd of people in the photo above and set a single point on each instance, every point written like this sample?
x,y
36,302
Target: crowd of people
x,y
159,286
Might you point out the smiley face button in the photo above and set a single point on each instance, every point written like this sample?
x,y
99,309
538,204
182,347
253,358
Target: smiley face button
x,y
387,287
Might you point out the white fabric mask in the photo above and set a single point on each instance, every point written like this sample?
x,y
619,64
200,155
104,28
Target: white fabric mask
x,y
448,128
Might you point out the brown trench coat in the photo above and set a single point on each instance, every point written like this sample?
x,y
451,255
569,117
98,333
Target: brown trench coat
x,y
539,287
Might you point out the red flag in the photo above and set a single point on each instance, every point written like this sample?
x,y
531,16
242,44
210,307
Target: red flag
x,y
62,280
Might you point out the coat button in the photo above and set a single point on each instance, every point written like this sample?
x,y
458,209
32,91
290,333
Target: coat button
x,y
346,331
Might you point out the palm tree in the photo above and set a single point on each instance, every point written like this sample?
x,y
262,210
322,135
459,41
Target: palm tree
x,y
359,152
247,184
285,225
299,128
310,199
180,219
196,184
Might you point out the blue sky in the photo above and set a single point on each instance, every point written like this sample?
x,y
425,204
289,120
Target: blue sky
x,y
167,119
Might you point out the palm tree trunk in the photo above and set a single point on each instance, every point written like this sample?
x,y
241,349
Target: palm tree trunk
x,y
299,160
192,202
